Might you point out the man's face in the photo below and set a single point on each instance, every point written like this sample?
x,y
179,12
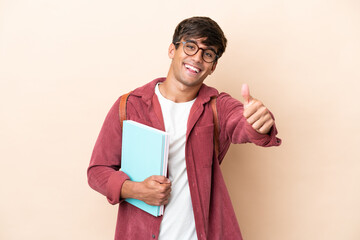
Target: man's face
x,y
190,70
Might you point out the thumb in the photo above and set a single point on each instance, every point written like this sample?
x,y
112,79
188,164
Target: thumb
x,y
245,92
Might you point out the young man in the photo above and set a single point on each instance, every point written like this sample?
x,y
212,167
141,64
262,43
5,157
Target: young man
x,y
197,204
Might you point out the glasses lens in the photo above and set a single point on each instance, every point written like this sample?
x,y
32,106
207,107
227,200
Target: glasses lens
x,y
190,48
209,56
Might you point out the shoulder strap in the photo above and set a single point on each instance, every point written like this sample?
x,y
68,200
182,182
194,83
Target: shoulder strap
x,y
122,108
216,126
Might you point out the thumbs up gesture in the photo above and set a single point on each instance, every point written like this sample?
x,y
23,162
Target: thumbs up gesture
x,y
256,114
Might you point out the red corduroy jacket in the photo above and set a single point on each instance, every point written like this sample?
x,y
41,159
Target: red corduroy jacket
x,y
213,211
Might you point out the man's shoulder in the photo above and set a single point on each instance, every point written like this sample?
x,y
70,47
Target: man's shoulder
x,y
148,89
206,92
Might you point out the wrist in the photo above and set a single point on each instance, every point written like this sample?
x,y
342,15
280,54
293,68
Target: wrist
x,y
129,189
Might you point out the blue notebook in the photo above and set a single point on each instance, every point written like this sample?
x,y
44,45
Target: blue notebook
x,y
144,153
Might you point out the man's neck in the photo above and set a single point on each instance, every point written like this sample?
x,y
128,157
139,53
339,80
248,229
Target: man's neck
x,y
177,92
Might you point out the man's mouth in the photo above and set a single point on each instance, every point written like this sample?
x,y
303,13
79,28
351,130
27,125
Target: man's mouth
x,y
192,68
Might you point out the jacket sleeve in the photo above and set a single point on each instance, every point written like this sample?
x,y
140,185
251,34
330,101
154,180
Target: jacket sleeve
x,y
235,128
103,172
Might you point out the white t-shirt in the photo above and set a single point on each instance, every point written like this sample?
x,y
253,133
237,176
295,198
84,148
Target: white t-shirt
x,y
178,220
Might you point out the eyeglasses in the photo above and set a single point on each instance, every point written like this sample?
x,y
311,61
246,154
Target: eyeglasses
x,y
191,48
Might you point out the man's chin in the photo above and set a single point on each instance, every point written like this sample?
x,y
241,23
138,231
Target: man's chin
x,y
192,82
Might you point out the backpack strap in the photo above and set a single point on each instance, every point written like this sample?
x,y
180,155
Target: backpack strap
x,y
216,126
122,108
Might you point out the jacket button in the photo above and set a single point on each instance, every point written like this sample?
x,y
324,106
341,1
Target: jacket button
x,y
153,236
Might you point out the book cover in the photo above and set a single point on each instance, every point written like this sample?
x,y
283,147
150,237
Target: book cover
x,y
144,153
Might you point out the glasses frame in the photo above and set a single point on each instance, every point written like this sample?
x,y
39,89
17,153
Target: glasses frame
x,y
198,48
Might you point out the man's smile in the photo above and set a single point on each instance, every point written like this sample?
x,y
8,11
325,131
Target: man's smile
x,y
192,68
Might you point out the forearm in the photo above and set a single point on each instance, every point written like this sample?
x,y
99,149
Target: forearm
x,y
107,181
103,172
130,189
98,177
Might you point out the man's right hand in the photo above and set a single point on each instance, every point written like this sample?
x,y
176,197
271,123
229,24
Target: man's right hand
x,y
155,190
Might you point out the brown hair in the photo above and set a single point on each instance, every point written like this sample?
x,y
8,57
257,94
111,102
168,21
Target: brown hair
x,y
201,27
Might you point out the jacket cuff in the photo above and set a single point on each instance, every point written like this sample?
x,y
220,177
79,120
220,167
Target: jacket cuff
x,y
265,140
114,185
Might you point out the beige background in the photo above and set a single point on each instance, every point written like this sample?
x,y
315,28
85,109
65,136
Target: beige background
x,y
64,63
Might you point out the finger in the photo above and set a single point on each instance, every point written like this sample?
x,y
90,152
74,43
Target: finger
x,y
164,187
168,191
163,199
260,122
165,196
250,109
267,126
157,202
245,92
261,125
160,179
260,113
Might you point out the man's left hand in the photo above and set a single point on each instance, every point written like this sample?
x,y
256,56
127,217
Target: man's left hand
x,y
256,114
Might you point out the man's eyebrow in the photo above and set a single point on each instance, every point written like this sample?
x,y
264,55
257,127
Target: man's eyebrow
x,y
213,49
193,41
190,40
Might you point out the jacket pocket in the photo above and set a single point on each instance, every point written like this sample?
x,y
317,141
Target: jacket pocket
x,y
203,145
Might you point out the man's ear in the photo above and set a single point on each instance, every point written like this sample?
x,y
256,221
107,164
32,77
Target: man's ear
x,y
171,51
213,67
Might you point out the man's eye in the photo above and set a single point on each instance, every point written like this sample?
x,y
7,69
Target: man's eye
x,y
209,54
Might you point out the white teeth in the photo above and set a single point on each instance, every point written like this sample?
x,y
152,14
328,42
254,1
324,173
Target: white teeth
x,y
192,68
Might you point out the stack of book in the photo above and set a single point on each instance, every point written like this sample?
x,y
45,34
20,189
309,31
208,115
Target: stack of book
x,y
144,153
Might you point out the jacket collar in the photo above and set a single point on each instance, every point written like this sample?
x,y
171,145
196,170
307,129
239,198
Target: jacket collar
x,y
147,92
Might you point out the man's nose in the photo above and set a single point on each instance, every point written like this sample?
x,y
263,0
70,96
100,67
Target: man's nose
x,y
198,56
